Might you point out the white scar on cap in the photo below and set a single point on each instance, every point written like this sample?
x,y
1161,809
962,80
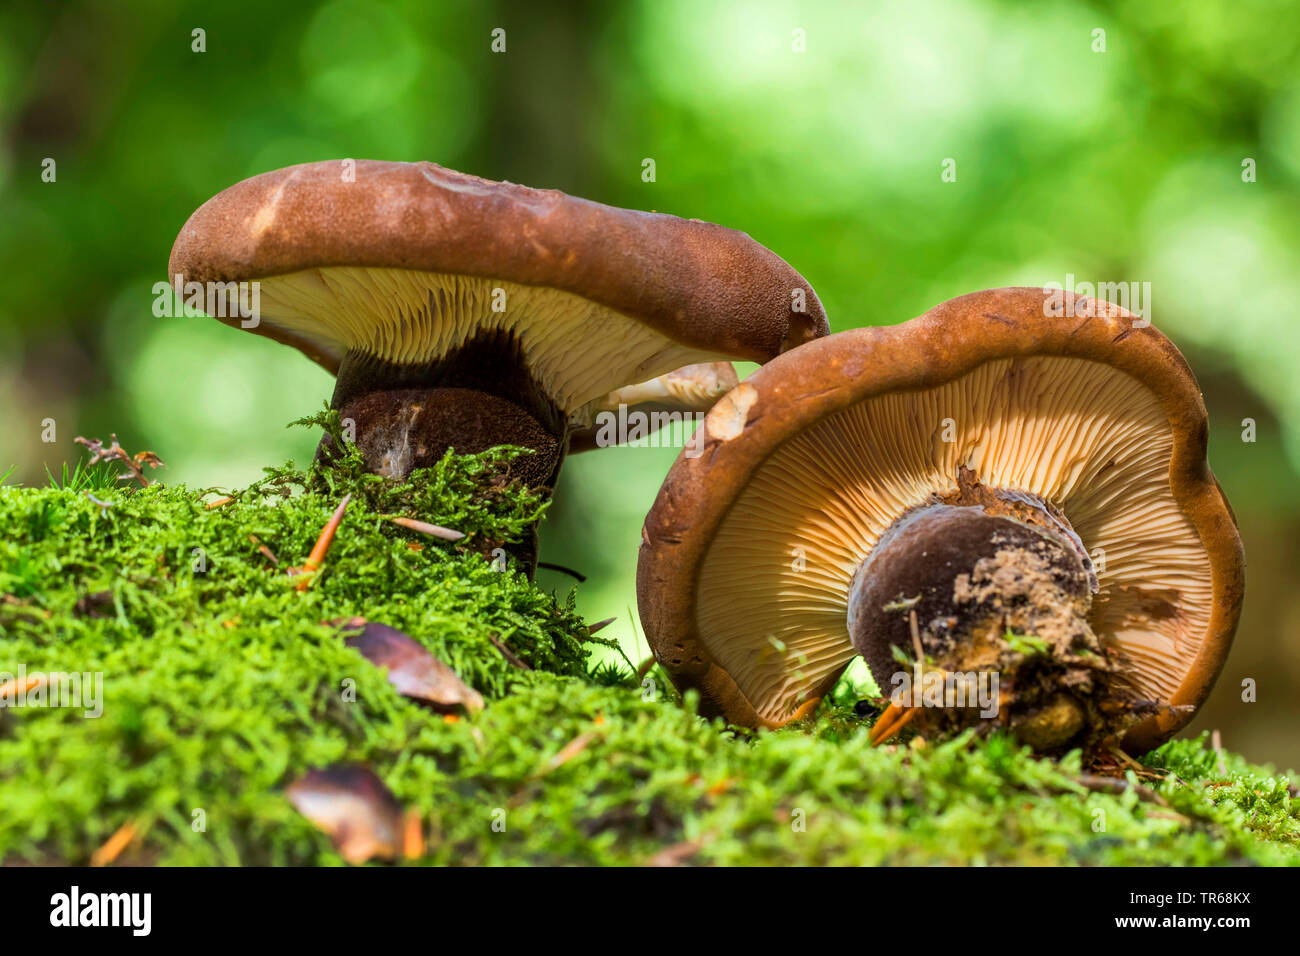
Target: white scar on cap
x,y
727,419
265,216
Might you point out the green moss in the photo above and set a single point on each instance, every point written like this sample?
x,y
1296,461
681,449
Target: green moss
x,y
222,685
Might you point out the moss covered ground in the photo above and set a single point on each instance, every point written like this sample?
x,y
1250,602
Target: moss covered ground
x,y
222,685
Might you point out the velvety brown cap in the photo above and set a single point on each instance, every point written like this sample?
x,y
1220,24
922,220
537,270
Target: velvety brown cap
x,y
698,284
781,402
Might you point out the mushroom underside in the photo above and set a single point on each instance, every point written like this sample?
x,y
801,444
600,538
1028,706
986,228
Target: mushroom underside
x,y
1088,442
575,350
427,362
430,362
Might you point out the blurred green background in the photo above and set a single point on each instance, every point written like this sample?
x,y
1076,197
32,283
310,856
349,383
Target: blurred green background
x,y
821,129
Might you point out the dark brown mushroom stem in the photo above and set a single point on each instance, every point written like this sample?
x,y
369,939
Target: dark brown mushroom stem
x,y
399,430
478,397
999,582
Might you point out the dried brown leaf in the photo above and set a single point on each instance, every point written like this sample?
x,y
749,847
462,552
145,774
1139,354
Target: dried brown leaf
x,y
355,808
411,668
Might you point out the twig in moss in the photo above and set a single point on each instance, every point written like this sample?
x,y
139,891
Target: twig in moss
x,y
679,853
18,687
219,502
576,575
103,505
17,605
570,750
566,753
266,552
114,845
1125,759
317,556
412,834
600,625
1216,742
1097,783
432,530
115,452
894,719
1116,784
645,667
508,654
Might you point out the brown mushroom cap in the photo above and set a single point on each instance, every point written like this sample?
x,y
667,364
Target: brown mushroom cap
x,y
748,552
404,262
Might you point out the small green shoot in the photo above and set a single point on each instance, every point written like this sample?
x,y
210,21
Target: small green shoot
x,y
1026,644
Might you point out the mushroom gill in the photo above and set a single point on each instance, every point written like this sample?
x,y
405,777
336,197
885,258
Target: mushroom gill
x,y
410,317
1085,437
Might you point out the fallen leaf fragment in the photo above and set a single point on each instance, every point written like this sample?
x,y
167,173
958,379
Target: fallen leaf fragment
x,y
411,668
355,808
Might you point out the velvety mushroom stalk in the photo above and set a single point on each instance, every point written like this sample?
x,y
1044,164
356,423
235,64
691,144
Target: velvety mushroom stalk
x,y
466,403
478,397
997,583
407,418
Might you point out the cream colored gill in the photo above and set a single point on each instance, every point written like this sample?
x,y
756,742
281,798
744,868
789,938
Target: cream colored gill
x,y
577,350
772,594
